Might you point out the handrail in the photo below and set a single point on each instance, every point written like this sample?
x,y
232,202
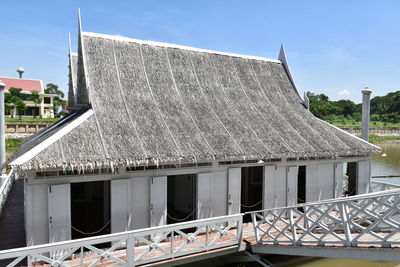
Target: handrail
x,y
395,191
382,186
5,188
140,246
366,220
385,176
386,183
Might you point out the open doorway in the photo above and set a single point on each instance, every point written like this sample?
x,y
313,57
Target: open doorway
x,y
181,196
90,209
351,172
251,190
301,185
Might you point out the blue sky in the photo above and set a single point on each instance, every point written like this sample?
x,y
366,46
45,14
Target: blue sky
x,y
333,47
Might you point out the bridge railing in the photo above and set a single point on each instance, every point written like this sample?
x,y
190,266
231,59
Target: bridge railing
x,y
136,247
363,220
5,188
382,186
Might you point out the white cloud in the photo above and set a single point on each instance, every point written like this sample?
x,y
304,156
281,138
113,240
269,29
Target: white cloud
x,y
344,93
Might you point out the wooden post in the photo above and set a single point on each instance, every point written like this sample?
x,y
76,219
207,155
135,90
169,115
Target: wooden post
x,y
346,224
130,251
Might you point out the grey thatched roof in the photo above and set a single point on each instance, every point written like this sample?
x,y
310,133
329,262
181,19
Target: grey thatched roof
x,y
155,103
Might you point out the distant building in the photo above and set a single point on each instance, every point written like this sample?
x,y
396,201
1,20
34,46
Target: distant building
x,y
43,109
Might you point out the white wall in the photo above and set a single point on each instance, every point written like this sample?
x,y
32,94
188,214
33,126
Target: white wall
x,y
320,181
363,176
319,185
326,181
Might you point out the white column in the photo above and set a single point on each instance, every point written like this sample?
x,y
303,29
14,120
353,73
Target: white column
x,y
42,108
366,92
2,127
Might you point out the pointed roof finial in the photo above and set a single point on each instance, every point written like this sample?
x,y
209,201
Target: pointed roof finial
x,y
282,54
79,21
282,58
69,44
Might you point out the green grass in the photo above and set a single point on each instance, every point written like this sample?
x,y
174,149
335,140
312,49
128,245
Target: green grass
x,y
13,144
352,123
33,119
375,139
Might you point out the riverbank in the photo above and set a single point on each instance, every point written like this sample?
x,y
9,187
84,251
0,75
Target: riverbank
x,y
373,138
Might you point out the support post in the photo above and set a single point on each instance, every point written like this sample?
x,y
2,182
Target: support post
x,y
2,128
346,224
366,93
130,251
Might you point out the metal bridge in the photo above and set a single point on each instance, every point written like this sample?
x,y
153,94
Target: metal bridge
x,y
364,226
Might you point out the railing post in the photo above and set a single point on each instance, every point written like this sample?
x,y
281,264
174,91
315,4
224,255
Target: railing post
x,y
240,231
207,229
81,256
172,241
130,251
346,224
292,227
256,232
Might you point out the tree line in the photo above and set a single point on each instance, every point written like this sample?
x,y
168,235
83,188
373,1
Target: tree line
x,y
14,99
383,108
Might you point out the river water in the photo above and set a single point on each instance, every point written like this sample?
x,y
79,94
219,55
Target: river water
x,y
381,165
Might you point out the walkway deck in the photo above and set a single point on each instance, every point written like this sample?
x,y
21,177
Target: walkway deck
x,y
12,229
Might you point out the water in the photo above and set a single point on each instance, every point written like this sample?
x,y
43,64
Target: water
x,y
390,164
387,165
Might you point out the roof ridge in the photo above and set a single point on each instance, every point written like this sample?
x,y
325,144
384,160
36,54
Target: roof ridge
x,y
162,44
20,79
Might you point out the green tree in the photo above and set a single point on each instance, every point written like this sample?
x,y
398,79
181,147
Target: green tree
x,y
20,106
12,98
58,102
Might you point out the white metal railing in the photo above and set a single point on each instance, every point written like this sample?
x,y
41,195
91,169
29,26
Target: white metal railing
x,y
382,186
135,247
368,219
5,188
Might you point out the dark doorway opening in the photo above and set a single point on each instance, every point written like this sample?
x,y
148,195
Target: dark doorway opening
x,y
301,186
181,196
251,190
90,209
351,173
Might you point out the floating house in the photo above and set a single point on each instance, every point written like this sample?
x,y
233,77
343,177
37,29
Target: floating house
x,y
161,133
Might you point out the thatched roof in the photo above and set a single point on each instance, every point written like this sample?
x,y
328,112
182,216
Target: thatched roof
x,y
153,103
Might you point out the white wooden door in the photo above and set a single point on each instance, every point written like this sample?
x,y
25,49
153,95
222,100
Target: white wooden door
x,y
158,201
59,204
219,193
291,185
204,194
120,205
363,176
140,202
234,190
338,180
325,176
268,187
280,187
312,192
